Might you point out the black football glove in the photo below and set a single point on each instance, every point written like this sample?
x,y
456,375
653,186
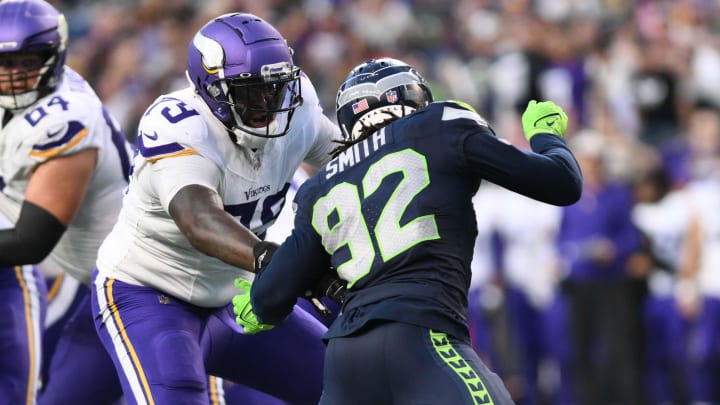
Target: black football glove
x,y
329,286
263,252
333,287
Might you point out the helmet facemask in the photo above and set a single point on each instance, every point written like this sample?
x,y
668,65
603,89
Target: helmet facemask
x,y
263,106
242,68
25,77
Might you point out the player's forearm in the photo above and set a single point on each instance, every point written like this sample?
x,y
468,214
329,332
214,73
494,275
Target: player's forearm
x,y
293,270
33,238
219,235
200,216
560,165
550,174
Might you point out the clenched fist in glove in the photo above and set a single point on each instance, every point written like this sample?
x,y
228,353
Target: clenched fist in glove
x,y
329,285
544,118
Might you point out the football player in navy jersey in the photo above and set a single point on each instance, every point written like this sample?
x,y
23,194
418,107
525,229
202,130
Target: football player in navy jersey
x,y
392,213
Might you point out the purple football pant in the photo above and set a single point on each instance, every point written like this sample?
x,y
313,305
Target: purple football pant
x,y
236,394
665,356
80,371
559,347
704,354
63,298
23,305
528,333
285,362
481,332
163,348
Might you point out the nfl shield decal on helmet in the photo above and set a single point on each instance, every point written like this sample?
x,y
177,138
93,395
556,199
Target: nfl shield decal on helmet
x,y
391,96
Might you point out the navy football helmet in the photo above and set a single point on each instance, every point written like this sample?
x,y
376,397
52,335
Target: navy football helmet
x,y
33,45
242,68
377,92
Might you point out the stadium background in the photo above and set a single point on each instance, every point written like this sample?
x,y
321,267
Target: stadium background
x,y
634,76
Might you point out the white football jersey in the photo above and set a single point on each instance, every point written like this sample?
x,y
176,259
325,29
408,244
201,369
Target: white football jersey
x,y
69,120
181,143
528,229
665,223
285,222
706,197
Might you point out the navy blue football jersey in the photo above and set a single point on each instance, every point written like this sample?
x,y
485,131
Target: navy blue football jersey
x,y
393,215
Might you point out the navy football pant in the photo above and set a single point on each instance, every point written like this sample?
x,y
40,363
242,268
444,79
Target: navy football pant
x,y
400,364
23,303
163,348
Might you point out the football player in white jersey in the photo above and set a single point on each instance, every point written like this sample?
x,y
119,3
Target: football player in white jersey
x,y
63,169
663,213
698,290
214,163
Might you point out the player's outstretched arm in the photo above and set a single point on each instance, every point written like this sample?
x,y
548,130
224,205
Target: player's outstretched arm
x,y
199,213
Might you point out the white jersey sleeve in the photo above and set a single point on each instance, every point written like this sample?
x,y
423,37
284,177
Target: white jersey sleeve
x,y
171,175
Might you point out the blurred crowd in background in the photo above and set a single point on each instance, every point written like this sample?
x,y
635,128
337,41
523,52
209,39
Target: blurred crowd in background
x,y
612,300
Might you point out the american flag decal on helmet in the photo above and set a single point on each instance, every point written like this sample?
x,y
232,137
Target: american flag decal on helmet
x,y
360,106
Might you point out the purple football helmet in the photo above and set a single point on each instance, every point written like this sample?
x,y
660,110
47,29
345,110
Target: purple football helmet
x,y
242,68
33,43
377,92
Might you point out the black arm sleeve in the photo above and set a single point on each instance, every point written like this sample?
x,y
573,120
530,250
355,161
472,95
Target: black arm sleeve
x,y
35,235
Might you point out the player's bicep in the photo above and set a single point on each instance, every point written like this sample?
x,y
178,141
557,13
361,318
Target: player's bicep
x,y
59,185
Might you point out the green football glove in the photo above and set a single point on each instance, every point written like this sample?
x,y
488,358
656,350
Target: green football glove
x,y
544,118
245,316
